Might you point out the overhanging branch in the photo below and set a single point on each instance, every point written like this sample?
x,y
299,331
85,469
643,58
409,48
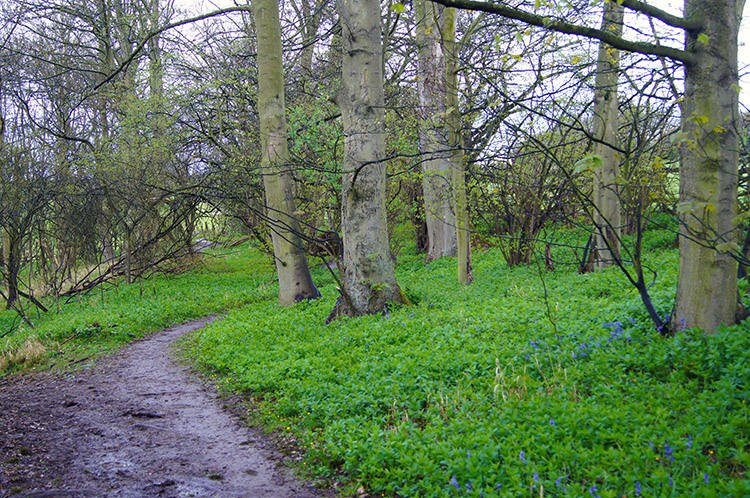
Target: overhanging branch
x,y
550,24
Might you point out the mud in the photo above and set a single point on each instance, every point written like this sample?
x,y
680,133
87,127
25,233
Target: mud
x,y
138,424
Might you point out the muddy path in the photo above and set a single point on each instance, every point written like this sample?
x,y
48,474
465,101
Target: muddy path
x,y
138,424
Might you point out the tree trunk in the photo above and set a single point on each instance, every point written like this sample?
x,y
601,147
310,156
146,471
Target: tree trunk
x,y
295,282
455,135
369,280
433,132
607,212
12,267
707,284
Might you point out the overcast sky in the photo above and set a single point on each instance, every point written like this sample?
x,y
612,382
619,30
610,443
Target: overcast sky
x,y
672,6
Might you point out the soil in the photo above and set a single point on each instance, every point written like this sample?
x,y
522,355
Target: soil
x,y
136,424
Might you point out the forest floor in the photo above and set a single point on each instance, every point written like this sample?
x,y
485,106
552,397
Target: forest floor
x,y
137,424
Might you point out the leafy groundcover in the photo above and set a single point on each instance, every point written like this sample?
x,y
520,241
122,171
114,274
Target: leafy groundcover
x,y
501,388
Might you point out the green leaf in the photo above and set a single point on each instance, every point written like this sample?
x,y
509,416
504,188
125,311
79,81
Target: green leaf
x,y
398,8
703,38
587,163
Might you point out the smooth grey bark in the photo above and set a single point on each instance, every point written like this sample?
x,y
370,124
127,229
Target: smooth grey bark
x,y
707,285
607,209
368,277
434,144
295,282
455,141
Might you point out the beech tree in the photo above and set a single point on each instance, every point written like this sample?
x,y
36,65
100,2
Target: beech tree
x,y
433,130
707,283
368,277
607,214
295,282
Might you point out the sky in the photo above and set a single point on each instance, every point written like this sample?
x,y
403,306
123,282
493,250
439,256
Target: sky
x,y
671,6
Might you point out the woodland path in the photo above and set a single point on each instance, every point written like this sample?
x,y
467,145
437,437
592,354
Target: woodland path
x,y
139,424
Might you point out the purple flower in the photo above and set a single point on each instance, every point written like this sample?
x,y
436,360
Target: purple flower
x,y
468,486
454,481
671,482
536,476
668,452
468,454
551,422
593,490
637,488
559,480
705,478
689,443
523,459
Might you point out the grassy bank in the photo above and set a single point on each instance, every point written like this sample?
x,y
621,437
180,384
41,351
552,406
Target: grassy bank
x,y
497,390
106,318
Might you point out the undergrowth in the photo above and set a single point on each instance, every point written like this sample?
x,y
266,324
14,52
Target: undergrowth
x,y
497,389
104,319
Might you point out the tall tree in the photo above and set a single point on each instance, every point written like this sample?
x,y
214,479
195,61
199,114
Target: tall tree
x,y
707,283
607,214
295,282
368,277
433,130
455,142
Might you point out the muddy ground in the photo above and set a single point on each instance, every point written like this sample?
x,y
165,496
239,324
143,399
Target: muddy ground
x,y
136,424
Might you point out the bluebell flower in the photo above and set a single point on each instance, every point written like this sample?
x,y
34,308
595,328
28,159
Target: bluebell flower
x,y
632,320
551,422
454,481
593,490
559,480
468,486
671,482
689,443
536,476
637,488
468,454
668,452
705,478
523,459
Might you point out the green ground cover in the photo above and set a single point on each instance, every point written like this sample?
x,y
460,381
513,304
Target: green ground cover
x,y
493,390
104,320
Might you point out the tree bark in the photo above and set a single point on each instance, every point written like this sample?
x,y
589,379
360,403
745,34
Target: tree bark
x,y
607,212
369,280
455,141
707,285
295,281
433,133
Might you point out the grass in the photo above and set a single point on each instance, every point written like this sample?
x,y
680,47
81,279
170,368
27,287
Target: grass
x,y
103,321
497,390
524,384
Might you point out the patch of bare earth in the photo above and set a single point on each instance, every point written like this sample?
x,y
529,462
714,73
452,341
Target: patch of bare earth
x,y
138,424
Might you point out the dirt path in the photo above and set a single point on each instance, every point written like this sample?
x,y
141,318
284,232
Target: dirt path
x,y
136,425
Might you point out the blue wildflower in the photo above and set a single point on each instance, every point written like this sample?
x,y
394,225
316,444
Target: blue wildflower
x,y
637,488
593,490
454,481
668,452
689,443
523,459
671,482
468,486
536,476
705,478
468,454
559,480
551,422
